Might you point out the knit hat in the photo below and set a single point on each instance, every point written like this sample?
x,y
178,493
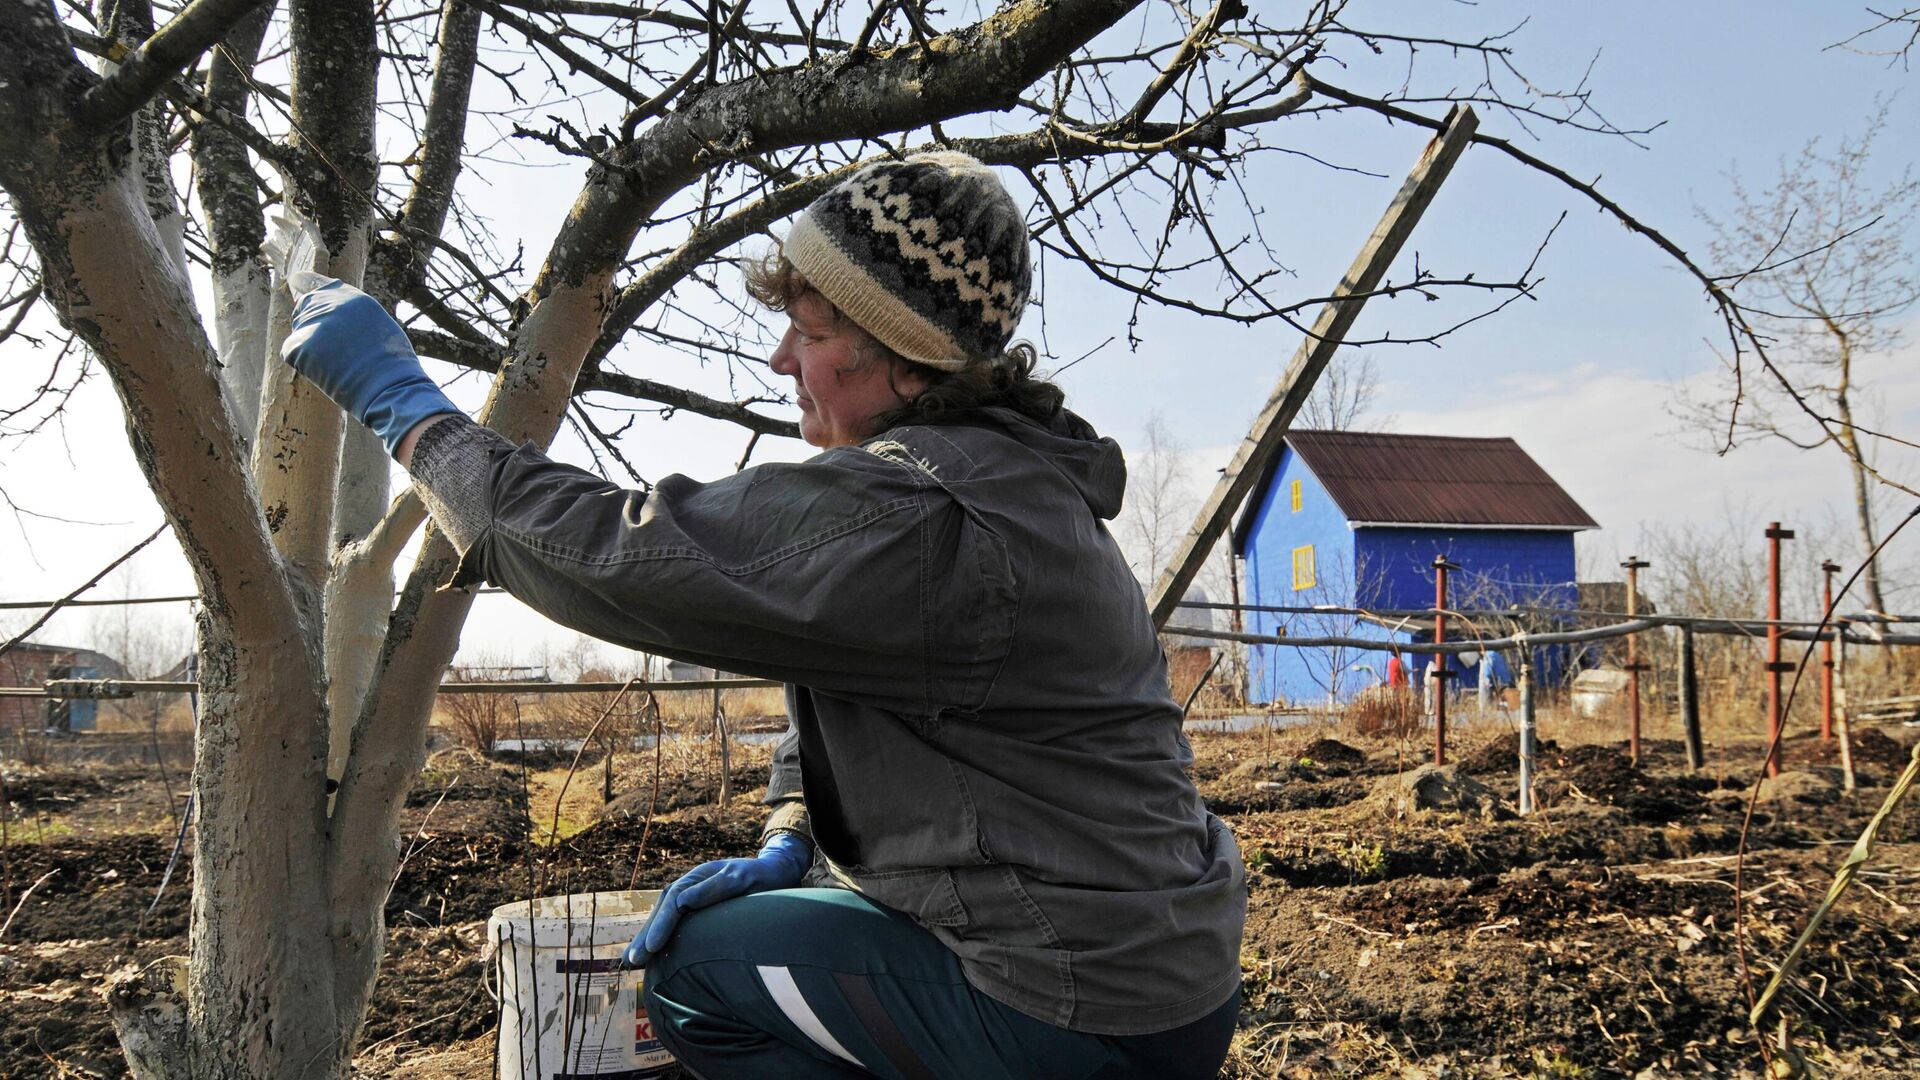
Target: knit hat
x,y
929,255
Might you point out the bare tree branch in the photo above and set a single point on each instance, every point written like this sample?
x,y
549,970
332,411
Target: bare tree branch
x,y
482,357
159,59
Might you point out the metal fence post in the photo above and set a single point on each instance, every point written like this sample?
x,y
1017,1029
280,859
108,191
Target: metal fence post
x,y
1634,666
1438,672
1527,737
1775,666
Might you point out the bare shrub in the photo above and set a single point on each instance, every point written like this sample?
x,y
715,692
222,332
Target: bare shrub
x,y
476,719
1385,712
605,720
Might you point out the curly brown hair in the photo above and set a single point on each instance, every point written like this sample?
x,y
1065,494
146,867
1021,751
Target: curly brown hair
x,y
1006,381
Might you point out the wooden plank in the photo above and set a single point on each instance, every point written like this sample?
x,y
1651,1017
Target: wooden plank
x,y
1329,330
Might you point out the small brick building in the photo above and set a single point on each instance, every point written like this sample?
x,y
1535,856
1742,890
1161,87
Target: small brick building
x,y
32,663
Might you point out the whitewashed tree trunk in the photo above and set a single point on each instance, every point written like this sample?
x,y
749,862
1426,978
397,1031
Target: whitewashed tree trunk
x,y
299,619
359,603
242,286
242,299
296,461
359,590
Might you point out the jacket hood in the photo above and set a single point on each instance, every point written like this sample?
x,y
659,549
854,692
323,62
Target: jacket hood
x,y
1091,462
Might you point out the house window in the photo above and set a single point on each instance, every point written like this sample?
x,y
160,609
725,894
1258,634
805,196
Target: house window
x,y
1303,568
1294,490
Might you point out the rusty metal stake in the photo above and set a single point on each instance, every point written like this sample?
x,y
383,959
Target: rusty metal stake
x,y
1634,667
1829,568
1439,673
1775,667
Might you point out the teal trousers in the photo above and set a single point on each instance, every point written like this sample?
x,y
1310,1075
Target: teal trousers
x,y
801,984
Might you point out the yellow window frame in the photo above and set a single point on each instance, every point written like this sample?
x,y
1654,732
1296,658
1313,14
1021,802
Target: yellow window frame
x,y
1294,491
1303,569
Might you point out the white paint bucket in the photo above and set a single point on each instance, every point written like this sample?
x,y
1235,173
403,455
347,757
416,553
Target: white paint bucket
x,y
570,1008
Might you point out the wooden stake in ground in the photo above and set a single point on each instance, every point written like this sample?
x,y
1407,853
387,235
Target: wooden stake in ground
x,y
1842,716
1329,330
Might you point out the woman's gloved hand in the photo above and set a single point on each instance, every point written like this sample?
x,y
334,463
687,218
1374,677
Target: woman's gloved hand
x,y
345,342
782,862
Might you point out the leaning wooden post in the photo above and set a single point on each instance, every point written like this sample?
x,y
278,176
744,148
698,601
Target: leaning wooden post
x,y
1690,700
1329,330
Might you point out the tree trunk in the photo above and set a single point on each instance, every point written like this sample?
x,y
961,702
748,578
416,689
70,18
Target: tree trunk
x,y
229,197
1862,483
262,1004
130,22
359,592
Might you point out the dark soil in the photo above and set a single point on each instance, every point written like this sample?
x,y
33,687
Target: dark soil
x,y
1498,755
1593,938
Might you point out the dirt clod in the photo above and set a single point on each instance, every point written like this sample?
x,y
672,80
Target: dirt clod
x,y
1430,787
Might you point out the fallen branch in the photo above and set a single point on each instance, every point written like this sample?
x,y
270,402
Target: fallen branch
x,y
5,926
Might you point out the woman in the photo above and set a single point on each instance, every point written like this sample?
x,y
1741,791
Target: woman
x,y
983,763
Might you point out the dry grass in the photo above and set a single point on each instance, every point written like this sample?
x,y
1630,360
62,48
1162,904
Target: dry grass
x,y
1385,712
683,762
740,705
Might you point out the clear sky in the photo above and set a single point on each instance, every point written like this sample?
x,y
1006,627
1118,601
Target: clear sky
x,y
1583,376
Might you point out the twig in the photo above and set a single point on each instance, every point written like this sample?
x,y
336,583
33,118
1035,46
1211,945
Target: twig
x,y
1862,851
55,607
554,834
415,844
653,801
5,926
1202,684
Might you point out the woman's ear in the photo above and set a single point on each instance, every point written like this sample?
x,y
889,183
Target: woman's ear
x,y
909,379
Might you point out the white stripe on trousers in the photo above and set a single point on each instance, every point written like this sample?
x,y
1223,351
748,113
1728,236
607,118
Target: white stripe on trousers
x,y
786,994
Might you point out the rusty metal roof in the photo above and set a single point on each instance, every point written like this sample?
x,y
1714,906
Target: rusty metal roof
x,y
1436,480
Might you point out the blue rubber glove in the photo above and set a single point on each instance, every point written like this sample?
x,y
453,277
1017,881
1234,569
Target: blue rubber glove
x,y
782,862
345,342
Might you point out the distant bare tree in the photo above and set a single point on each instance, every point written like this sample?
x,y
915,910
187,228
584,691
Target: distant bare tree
x,y
1822,257
1160,504
1344,397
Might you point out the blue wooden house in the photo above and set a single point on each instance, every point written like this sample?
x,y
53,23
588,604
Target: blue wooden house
x,y
1354,519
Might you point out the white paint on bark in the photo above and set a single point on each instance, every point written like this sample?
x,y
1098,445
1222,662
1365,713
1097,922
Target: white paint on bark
x,y
242,300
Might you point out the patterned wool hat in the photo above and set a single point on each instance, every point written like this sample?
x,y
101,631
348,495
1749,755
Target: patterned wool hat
x,y
929,255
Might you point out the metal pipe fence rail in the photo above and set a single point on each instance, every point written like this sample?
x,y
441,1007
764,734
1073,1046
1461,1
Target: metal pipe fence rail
x,y
1524,643
124,688
1758,626
1564,637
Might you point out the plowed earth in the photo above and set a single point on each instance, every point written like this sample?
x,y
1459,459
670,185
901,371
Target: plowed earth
x,y
1593,938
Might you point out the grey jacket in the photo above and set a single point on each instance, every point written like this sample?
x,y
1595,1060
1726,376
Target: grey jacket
x,y
980,724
